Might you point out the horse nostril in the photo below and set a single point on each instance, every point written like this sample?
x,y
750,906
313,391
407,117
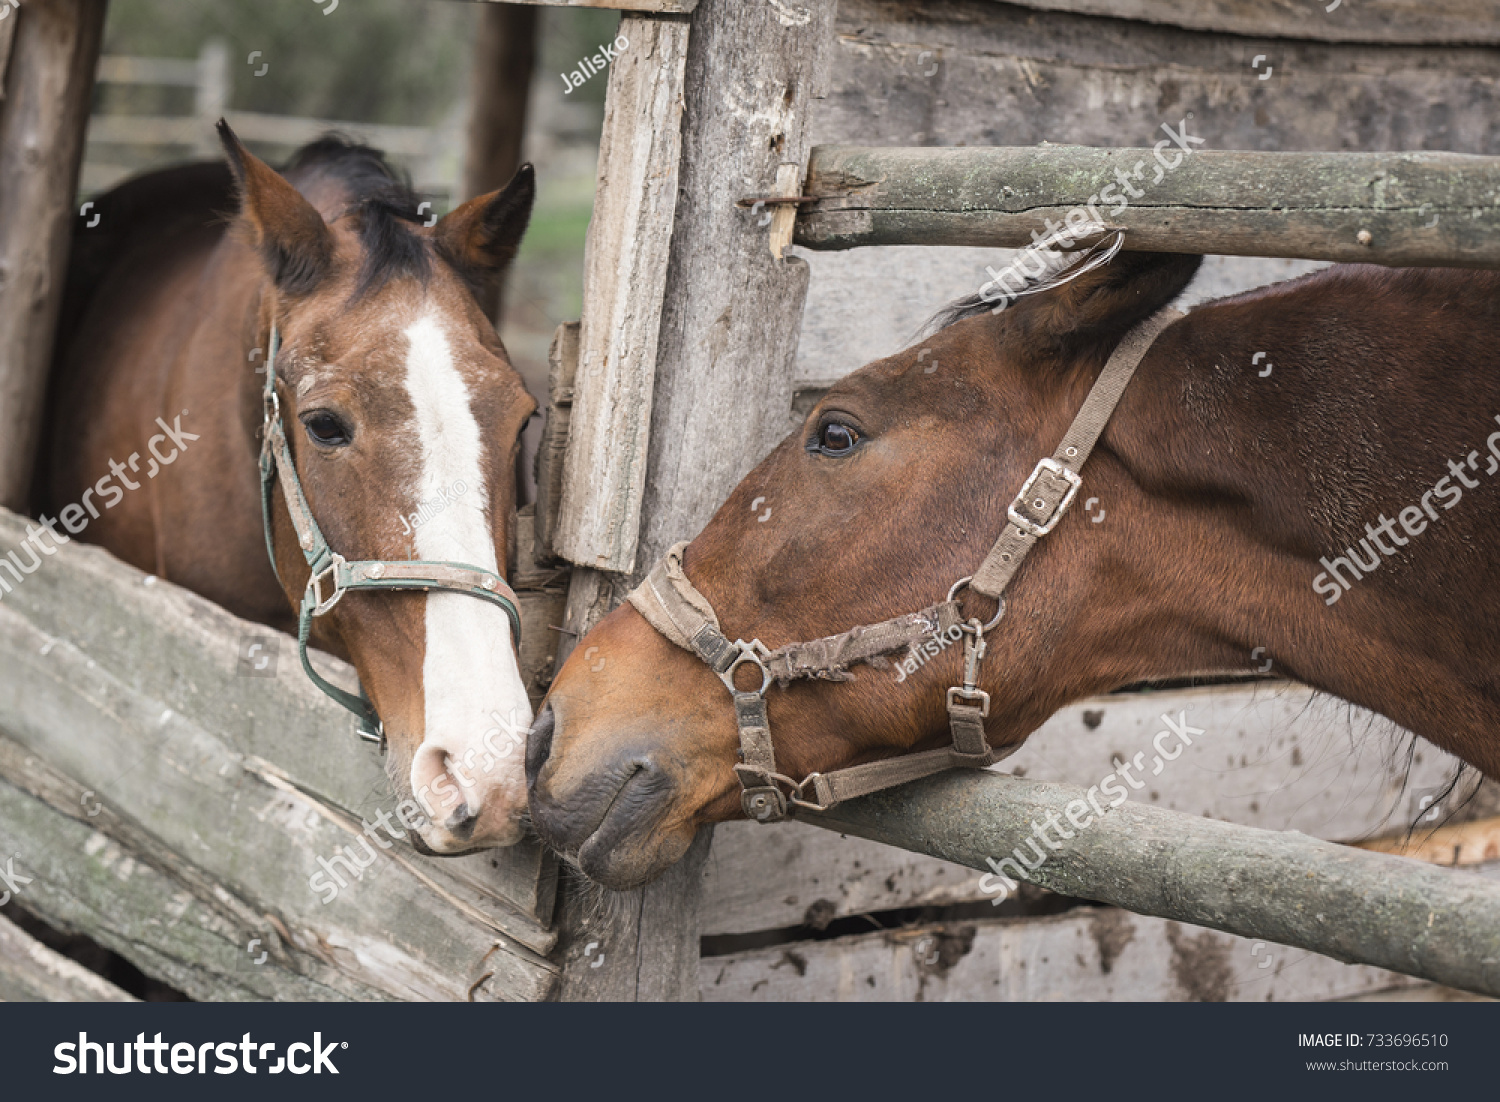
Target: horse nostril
x,y
539,743
461,823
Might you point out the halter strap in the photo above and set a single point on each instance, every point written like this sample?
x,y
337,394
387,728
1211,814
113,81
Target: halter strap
x,y
338,575
672,605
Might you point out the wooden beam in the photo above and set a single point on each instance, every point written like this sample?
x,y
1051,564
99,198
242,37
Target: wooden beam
x,y
1387,23
173,802
1437,209
43,116
31,972
1368,908
624,281
722,334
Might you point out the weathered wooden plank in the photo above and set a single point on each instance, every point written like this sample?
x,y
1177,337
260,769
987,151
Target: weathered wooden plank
x,y
562,373
1409,22
624,281
1369,908
728,322
31,972
136,696
42,120
231,835
1273,755
1087,955
7,36
1385,208
975,72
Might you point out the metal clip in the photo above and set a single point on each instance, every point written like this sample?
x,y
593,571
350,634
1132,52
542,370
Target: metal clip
x,y
974,648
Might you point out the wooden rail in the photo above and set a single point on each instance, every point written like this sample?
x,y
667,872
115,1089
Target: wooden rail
x,y
1423,209
1369,908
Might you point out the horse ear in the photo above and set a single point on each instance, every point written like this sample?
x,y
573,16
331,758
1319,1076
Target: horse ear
x,y
1097,308
481,237
294,241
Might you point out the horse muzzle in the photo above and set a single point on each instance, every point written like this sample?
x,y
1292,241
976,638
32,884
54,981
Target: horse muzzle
x,y
610,817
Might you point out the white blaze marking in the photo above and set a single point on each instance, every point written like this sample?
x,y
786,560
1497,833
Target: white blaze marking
x,y
470,675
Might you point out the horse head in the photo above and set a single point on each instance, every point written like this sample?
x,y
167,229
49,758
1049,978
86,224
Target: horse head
x,y
402,415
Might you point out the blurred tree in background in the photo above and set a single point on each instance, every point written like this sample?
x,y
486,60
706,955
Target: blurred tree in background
x,y
386,61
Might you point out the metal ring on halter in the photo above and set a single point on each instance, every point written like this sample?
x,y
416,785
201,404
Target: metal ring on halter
x,y
999,612
749,652
331,571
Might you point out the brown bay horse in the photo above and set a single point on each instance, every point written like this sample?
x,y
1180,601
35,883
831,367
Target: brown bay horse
x,y
398,401
1339,512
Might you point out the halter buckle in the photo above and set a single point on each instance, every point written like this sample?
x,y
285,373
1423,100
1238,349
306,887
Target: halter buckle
x,y
315,585
1024,498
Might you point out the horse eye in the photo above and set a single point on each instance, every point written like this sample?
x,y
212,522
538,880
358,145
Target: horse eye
x,y
836,439
326,429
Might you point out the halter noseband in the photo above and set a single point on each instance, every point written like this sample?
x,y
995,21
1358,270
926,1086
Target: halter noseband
x,y
674,607
338,575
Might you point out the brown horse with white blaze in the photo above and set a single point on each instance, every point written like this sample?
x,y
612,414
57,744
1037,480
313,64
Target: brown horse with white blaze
x,y
1229,495
396,395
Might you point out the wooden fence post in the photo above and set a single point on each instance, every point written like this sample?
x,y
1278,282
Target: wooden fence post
x,y
725,339
43,116
504,57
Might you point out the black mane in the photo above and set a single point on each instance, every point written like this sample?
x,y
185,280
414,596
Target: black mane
x,y
382,199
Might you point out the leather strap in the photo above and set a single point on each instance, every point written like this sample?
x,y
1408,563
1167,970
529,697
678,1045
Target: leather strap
x,y
1055,481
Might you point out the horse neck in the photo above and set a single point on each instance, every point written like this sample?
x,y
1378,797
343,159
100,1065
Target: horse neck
x,y
1246,490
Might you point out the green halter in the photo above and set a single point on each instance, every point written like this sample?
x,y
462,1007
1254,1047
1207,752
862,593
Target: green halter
x,y
332,571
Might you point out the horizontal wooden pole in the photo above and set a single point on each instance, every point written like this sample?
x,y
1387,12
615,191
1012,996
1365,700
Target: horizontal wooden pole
x,y
1367,908
1403,209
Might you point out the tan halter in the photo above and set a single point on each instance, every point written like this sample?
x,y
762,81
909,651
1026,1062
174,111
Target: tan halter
x,y
672,605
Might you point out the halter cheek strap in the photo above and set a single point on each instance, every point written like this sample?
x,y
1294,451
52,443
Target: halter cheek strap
x,y
674,607
332,575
